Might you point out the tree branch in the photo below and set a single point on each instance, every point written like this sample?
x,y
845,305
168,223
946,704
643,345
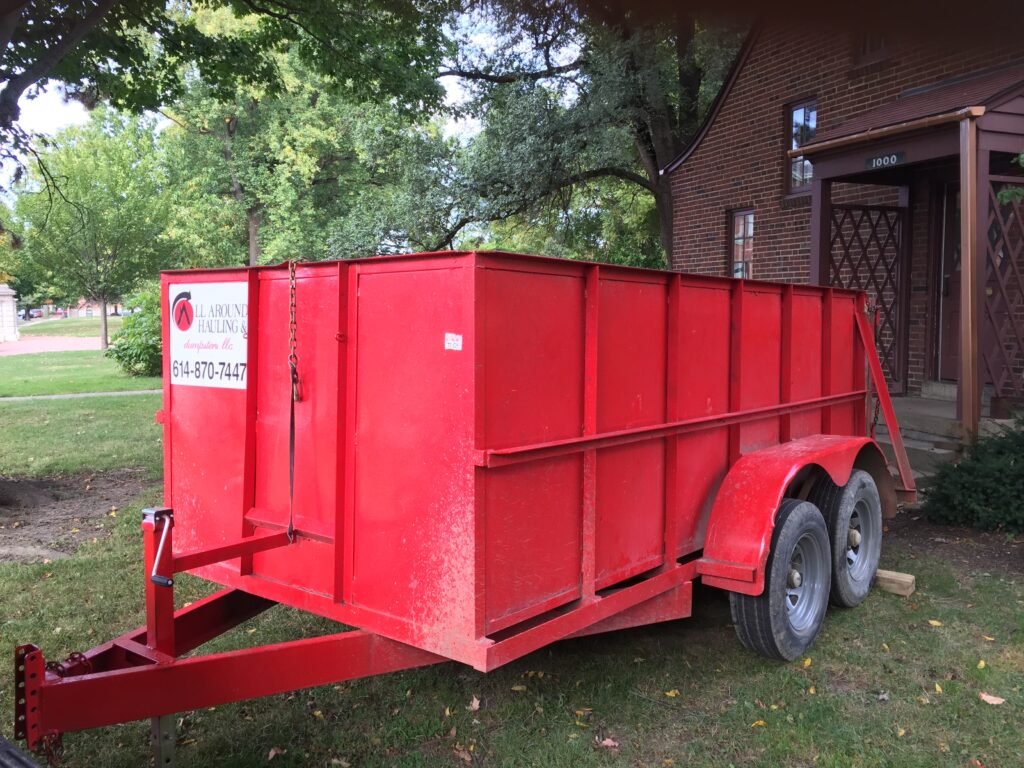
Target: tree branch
x,y
9,110
512,77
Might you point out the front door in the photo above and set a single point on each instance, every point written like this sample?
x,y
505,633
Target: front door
x,y
949,285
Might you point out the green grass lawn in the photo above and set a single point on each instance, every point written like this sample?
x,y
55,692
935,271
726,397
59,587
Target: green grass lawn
x,y
70,326
682,694
883,686
52,437
55,373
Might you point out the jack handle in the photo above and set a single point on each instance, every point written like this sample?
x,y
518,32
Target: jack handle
x,y
156,578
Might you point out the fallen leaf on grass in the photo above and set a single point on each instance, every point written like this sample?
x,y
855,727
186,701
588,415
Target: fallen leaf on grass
x,y
990,699
981,664
274,752
606,743
518,688
463,755
474,704
340,761
807,662
812,690
989,638
759,724
883,696
938,688
673,693
901,732
935,622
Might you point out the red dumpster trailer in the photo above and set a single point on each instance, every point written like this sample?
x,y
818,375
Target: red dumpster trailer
x,y
468,456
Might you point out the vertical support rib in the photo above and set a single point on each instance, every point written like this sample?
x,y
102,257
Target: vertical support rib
x,y
969,390
786,364
251,374
826,359
673,356
735,366
346,565
589,522
344,342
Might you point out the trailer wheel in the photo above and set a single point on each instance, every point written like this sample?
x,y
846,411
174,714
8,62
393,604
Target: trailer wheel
x,y
783,621
853,514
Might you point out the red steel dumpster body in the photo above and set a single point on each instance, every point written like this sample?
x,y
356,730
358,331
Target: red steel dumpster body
x,y
477,437
465,456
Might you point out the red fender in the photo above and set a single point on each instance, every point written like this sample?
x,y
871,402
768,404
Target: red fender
x,y
740,527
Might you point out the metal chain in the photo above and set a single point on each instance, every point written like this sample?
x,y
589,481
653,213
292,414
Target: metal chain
x,y
293,370
293,358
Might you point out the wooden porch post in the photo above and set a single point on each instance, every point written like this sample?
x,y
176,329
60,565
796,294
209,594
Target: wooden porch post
x,y
821,230
970,263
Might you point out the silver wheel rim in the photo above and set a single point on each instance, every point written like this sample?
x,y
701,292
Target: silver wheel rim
x,y
859,540
807,566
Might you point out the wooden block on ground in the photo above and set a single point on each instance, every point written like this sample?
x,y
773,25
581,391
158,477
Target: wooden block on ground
x,y
902,584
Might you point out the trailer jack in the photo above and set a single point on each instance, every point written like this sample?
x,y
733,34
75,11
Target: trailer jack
x,y
142,674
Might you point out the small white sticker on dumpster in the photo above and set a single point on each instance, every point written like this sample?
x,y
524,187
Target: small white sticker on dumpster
x,y
453,341
208,335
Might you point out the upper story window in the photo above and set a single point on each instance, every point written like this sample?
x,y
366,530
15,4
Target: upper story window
x,y
741,225
870,47
803,124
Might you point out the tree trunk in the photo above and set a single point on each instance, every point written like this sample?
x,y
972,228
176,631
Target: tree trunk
x,y
104,338
253,218
663,203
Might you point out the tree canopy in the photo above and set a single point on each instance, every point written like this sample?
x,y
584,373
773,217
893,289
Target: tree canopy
x,y
102,231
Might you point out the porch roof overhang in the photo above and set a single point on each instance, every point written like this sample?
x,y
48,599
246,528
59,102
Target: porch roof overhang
x,y
920,111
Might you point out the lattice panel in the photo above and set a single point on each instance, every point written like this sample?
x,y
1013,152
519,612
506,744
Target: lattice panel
x,y
865,255
1003,314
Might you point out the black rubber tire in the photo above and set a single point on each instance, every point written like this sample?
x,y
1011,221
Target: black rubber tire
x,y
853,568
763,623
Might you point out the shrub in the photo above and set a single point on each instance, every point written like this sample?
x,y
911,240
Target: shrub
x,y
136,348
986,488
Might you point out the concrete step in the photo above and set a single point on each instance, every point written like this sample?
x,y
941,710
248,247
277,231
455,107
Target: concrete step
x,y
935,441
946,391
925,458
933,417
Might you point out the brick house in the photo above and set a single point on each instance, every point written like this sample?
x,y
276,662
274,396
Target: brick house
x,y
839,158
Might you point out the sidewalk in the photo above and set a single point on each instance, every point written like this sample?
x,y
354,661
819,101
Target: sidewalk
x,y
73,395
28,345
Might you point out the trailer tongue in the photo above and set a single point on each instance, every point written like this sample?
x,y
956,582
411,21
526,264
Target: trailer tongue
x,y
469,456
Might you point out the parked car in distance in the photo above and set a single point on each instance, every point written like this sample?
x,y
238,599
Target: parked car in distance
x,y
33,313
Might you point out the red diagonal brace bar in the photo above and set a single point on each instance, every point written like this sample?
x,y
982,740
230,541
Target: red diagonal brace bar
x,y
909,488
246,546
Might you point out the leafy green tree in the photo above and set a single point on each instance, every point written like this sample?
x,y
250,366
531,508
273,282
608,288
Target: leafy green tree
x,y
574,92
303,172
138,55
101,231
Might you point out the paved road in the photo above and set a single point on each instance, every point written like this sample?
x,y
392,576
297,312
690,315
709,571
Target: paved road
x,y
27,345
73,395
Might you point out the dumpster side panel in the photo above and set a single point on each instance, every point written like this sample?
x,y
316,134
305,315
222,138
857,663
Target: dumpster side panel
x,y
631,378
532,366
316,420
804,372
702,457
204,426
759,366
412,506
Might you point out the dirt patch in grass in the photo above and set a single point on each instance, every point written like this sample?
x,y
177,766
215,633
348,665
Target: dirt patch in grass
x,y
49,518
967,550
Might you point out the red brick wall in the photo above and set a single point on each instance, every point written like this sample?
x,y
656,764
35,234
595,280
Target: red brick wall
x,y
740,163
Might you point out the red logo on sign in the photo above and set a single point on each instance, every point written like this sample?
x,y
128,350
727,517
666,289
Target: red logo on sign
x,y
182,311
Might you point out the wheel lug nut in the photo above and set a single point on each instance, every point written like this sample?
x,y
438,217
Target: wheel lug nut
x,y
795,579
